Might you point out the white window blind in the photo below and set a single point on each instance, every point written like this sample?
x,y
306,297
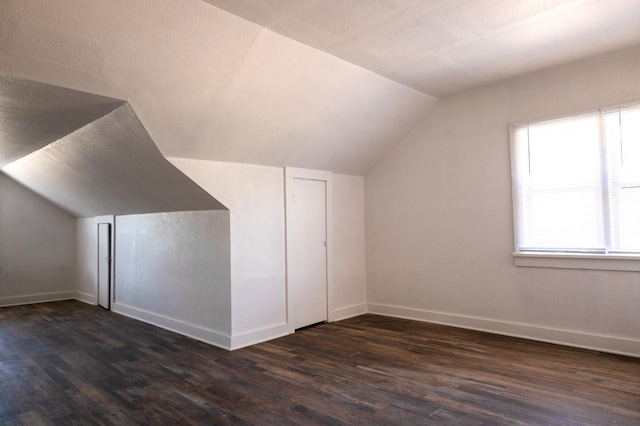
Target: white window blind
x,y
576,183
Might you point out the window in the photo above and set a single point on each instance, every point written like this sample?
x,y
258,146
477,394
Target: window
x,y
576,184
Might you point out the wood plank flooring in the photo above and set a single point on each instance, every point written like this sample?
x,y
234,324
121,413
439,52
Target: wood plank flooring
x,y
70,363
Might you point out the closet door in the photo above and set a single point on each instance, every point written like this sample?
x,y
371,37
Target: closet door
x,y
307,251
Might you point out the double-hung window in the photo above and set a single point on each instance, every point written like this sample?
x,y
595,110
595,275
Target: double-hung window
x,y
576,184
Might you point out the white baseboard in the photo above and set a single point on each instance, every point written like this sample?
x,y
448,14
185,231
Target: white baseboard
x,y
29,299
350,311
616,345
86,298
194,331
253,337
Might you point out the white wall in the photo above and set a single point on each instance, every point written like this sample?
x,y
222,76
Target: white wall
x,y
349,281
439,221
255,198
37,247
172,270
86,259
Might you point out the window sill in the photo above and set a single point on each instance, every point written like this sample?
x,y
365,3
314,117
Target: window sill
x,y
578,261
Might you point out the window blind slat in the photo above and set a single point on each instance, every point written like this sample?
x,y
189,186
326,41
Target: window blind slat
x,y
577,183
623,138
561,204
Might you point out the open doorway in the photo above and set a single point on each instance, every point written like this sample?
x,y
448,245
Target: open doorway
x,y
104,265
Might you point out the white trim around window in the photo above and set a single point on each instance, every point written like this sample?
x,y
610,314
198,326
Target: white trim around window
x,y
576,191
606,262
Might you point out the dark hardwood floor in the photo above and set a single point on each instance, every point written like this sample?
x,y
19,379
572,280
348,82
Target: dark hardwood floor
x,y
70,363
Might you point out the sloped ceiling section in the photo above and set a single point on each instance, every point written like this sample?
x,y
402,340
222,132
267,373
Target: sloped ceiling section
x,y
442,47
108,166
321,84
210,85
33,115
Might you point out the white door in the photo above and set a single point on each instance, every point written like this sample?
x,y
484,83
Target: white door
x,y
104,265
308,251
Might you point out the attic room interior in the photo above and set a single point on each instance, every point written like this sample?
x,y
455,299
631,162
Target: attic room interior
x,y
315,212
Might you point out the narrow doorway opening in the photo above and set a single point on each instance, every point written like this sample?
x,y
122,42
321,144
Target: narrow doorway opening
x,y
104,265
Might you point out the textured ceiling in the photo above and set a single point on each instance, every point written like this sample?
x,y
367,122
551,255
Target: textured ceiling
x,y
109,167
441,47
209,84
33,115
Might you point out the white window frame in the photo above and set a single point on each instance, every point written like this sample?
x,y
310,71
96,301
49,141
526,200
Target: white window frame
x,y
559,259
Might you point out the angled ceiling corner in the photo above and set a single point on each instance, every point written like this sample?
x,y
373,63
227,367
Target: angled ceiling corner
x,y
88,154
33,115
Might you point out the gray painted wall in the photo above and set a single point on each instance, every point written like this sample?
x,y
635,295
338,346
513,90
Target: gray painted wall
x,y
173,270
37,247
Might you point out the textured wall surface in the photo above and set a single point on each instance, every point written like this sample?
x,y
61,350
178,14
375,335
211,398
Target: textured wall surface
x,y
255,197
37,247
175,267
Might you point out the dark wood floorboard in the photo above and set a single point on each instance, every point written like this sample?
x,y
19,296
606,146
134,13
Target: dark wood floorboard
x,y
70,363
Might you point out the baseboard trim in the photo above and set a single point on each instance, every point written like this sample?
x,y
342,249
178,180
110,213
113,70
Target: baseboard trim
x,y
28,299
194,331
350,311
615,345
254,337
86,298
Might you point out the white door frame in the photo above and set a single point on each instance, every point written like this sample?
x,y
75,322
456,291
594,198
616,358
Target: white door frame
x,y
318,175
112,273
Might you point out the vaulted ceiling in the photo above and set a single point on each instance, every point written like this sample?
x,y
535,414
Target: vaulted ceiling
x,y
316,84
441,47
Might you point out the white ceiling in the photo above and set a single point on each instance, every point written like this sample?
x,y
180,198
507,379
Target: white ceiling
x,y
441,47
209,84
